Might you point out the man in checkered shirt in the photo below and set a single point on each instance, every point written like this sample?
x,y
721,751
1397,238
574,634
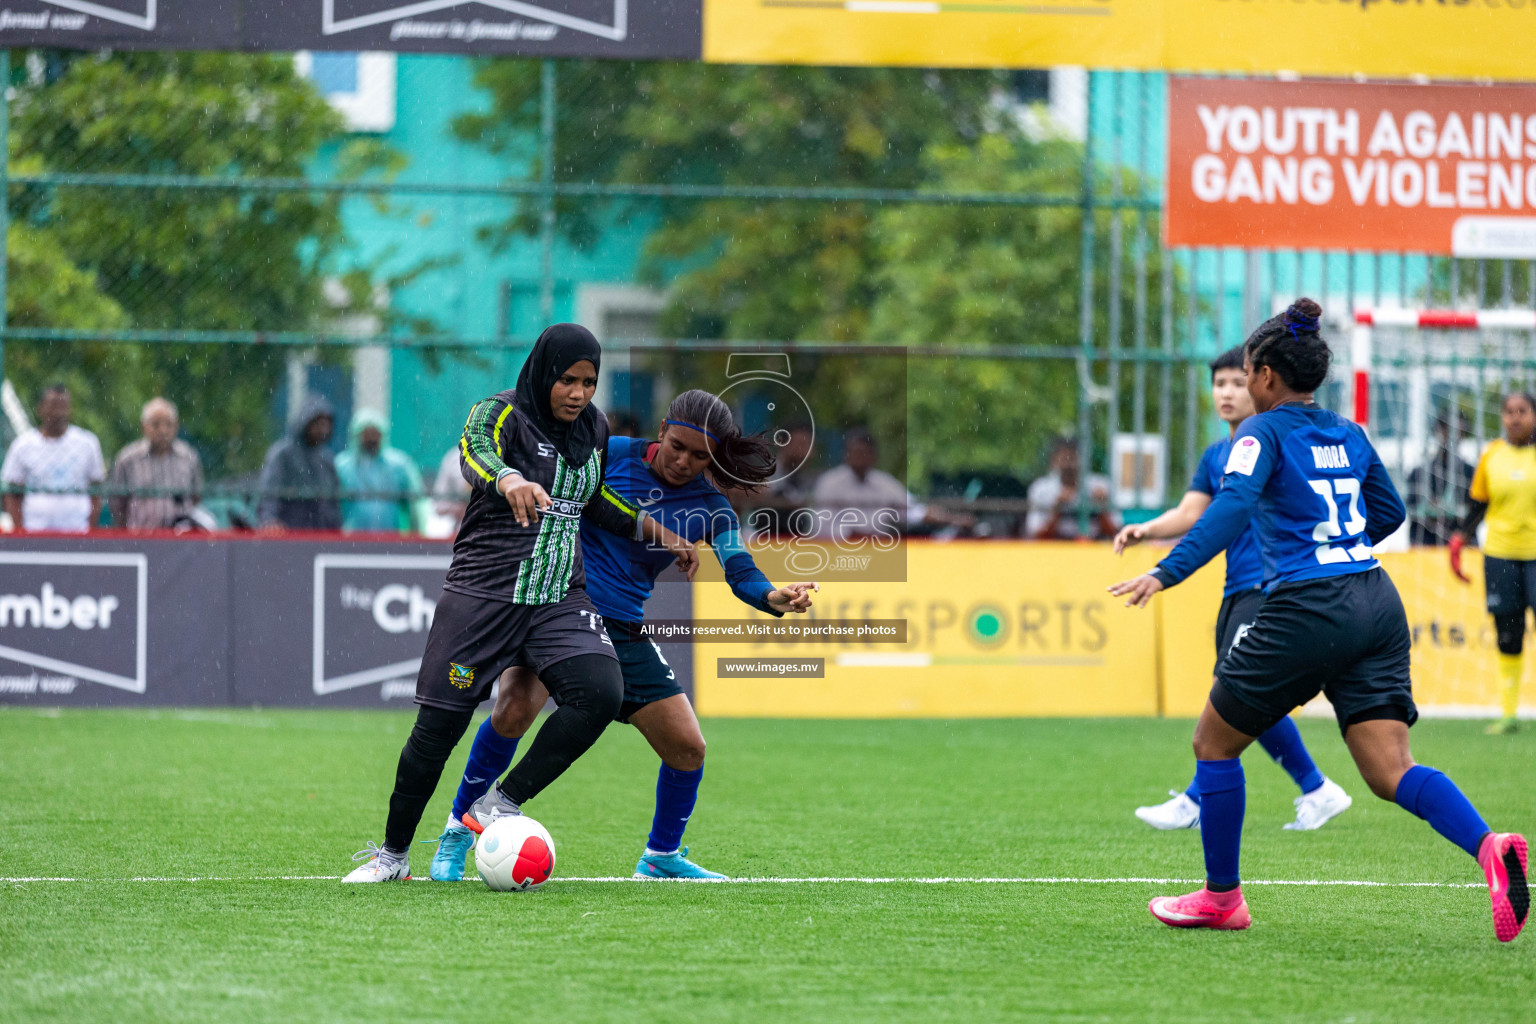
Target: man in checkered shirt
x,y
158,478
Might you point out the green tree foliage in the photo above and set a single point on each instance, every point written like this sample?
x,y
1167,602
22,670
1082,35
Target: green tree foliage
x,y
962,275
917,275
98,257
713,124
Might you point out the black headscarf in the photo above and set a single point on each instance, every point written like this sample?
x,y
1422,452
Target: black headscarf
x,y
558,349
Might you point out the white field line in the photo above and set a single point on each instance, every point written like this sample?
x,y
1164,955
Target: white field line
x,y
815,881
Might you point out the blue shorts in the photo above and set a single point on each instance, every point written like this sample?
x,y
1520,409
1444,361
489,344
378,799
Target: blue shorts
x,y
647,676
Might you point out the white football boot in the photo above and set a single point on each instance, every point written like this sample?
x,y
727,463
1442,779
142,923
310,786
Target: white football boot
x,y
1180,812
1314,809
487,809
383,866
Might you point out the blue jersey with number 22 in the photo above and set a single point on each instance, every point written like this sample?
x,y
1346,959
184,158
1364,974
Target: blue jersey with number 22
x,y
1316,492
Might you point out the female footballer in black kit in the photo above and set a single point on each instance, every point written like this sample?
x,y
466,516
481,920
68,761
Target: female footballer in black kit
x,y
515,593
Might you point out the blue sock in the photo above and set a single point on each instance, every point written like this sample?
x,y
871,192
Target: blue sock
x,y
1223,800
1427,792
1282,741
676,793
489,758
1193,789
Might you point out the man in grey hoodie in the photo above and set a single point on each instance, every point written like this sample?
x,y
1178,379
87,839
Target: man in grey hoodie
x,y
299,486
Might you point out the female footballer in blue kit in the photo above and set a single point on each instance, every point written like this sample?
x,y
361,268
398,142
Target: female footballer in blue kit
x,y
515,592
1321,798
1331,621
665,477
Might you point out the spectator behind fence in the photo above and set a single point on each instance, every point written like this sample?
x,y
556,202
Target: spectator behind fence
x,y
794,482
450,489
370,467
879,501
299,486
624,424
157,479
49,470
1436,490
1053,499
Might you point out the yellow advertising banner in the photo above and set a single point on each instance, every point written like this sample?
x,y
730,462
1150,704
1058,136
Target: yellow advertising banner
x,y
1005,629
1453,640
1468,39
993,629
1187,628
973,33
1479,39
1454,648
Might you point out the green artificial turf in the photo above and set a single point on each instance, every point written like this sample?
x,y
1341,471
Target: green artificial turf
x,y
106,796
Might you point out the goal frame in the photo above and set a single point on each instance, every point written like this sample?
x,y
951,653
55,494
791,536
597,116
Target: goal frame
x,y
1367,319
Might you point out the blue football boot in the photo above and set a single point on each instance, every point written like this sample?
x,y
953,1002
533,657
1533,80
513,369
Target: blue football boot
x,y
674,865
452,847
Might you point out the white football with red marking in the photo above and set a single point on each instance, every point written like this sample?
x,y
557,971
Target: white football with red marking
x,y
515,854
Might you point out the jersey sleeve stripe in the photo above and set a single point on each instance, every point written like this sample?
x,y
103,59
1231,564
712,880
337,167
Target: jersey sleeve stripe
x,y
482,453
499,421
616,499
469,460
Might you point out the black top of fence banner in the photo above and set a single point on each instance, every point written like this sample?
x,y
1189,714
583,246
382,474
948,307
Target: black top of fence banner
x,y
618,29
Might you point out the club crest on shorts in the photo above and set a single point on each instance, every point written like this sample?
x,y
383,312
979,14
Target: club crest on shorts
x,y
462,676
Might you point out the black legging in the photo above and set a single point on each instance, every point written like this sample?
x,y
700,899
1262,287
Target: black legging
x,y
1510,630
588,688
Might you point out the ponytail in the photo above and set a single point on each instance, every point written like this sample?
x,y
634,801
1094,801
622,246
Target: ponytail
x,y
745,459
1291,345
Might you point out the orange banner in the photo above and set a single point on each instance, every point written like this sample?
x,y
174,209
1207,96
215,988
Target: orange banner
x,y
1407,168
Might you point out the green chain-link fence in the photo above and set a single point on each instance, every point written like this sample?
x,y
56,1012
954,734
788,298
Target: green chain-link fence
x,y
206,227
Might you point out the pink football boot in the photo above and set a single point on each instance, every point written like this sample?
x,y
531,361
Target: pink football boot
x,y
1224,911
1503,859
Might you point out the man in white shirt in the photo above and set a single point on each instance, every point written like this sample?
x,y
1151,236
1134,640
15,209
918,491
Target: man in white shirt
x,y
1053,499
855,499
50,469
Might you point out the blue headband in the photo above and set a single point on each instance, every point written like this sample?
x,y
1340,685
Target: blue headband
x,y
690,426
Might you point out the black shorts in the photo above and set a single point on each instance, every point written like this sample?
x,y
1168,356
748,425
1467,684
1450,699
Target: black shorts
x,y
1511,585
1346,636
473,640
647,676
1237,614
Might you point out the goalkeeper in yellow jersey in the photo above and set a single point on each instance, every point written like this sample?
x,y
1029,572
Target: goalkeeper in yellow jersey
x,y
1504,492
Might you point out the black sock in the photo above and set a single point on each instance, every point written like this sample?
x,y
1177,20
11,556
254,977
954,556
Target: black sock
x,y
432,739
589,689
1221,886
